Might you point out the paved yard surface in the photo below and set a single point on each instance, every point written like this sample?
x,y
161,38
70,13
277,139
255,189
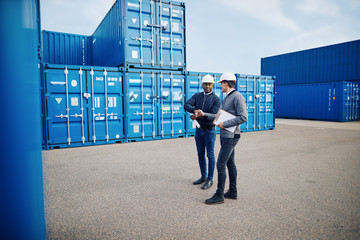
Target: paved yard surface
x,y
299,181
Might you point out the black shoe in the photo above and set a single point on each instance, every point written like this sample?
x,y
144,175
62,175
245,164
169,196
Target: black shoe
x,y
231,195
207,184
216,199
200,181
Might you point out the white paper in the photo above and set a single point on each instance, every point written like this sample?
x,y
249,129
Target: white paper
x,y
223,116
196,123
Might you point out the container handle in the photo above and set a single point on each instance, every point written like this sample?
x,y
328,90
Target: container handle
x,y
156,26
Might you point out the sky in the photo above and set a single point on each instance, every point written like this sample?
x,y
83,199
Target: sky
x,y
231,35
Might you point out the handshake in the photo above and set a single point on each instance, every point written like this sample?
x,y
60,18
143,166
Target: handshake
x,y
197,114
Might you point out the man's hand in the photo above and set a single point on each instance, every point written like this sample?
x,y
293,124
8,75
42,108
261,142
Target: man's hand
x,y
192,117
199,113
221,125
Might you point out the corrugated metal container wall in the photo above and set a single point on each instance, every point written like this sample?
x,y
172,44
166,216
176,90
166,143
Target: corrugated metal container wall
x,y
339,62
143,33
84,106
259,93
21,176
193,85
334,101
66,48
154,104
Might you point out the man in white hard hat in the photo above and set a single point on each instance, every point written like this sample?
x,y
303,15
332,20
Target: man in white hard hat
x,y
201,105
235,104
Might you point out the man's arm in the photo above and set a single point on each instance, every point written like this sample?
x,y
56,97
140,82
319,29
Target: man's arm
x,y
214,110
241,113
190,104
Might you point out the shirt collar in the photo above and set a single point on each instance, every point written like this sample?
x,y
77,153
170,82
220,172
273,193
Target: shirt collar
x,y
208,93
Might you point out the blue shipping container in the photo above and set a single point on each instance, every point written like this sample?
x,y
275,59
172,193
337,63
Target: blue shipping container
x,y
66,48
83,106
193,85
259,93
339,62
147,33
154,104
333,101
21,179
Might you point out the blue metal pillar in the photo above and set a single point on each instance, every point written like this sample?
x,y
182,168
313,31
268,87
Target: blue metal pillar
x,y
21,183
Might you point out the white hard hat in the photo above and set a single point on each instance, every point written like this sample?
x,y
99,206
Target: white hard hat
x,y
208,79
228,76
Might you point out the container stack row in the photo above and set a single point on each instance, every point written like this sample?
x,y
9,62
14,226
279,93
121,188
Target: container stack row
x,y
320,84
88,105
128,80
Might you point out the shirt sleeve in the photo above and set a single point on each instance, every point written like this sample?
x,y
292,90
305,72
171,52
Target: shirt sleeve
x,y
216,106
190,104
241,113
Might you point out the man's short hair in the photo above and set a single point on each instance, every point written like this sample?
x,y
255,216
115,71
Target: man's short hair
x,y
231,83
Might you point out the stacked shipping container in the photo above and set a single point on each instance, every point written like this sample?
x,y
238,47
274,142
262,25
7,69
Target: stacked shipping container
x,y
320,83
140,91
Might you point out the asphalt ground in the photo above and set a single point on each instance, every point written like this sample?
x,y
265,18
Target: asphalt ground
x,y
299,181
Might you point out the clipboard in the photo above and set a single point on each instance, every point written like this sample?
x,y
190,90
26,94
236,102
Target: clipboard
x,y
223,116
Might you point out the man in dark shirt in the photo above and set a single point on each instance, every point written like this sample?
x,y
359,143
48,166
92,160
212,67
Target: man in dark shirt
x,y
201,104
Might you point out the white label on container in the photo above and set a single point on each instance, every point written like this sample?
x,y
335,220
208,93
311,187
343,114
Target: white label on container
x,y
99,79
135,81
58,100
175,11
176,84
177,80
74,101
136,128
133,5
97,102
166,108
147,96
166,9
111,101
180,131
134,54
111,84
117,136
250,98
268,97
74,83
112,79
134,20
165,94
194,82
167,80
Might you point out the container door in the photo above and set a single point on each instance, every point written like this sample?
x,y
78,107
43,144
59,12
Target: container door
x,y
171,35
246,86
65,106
140,31
141,104
171,112
266,103
193,85
105,89
357,101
